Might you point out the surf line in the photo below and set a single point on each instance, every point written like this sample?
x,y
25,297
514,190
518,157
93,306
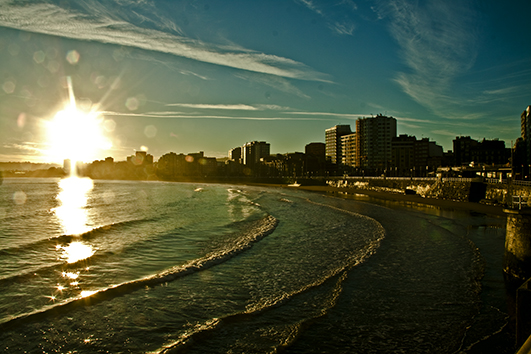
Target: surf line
x,y
261,228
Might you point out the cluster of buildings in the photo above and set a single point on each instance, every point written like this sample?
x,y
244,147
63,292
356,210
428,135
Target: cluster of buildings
x,y
372,149
375,149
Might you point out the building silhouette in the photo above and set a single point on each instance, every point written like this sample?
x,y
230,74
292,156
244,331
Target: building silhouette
x,y
488,152
236,154
253,151
175,166
415,158
334,148
373,142
315,159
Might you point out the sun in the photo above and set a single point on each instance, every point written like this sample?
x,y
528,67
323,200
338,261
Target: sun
x,y
76,135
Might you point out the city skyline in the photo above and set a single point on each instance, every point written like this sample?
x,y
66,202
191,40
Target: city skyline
x,y
187,76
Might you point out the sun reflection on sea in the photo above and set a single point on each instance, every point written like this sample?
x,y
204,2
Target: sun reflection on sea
x,y
87,293
76,251
73,199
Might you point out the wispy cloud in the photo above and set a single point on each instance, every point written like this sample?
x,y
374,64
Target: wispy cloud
x,y
343,28
438,42
276,82
445,132
503,91
23,151
104,27
243,107
236,107
336,20
312,6
178,115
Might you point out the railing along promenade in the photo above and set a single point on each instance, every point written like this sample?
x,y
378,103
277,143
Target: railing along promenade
x,y
443,179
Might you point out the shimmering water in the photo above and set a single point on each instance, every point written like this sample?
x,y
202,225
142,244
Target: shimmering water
x,y
135,267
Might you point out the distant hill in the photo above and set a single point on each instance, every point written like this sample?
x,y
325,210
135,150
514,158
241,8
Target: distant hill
x,y
25,166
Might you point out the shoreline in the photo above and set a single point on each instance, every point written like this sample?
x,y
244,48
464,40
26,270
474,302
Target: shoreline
x,y
385,196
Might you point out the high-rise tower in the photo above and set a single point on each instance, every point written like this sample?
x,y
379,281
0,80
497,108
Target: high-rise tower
x,y
373,142
333,135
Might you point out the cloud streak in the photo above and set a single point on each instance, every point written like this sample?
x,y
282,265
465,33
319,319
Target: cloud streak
x,y
178,115
214,106
52,20
342,27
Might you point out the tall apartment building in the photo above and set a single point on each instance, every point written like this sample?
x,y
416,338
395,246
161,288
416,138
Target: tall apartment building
x,y
412,157
315,158
348,149
235,154
373,142
463,146
468,150
334,150
252,152
403,154
317,150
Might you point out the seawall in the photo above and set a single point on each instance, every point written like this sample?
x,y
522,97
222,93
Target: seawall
x,y
457,189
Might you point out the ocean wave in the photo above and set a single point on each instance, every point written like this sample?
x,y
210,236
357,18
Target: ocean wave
x,y
253,233
208,329
203,331
64,239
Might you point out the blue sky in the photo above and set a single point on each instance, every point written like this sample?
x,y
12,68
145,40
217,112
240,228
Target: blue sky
x,y
188,76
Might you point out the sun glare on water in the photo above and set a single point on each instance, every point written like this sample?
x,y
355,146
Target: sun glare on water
x,y
72,212
77,251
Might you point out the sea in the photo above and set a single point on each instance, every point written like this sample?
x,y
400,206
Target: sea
x,y
163,267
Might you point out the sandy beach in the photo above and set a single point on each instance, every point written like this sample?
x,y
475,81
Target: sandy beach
x,y
441,203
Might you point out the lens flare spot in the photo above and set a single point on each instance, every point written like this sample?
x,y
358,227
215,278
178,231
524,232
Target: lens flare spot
x,y
150,131
132,103
72,57
109,125
8,87
21,120
19,197
39,56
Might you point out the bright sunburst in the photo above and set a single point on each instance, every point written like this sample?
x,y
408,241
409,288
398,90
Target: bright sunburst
x,y
74,134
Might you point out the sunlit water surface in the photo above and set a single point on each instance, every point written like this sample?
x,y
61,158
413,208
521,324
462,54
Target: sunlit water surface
x,y
114,266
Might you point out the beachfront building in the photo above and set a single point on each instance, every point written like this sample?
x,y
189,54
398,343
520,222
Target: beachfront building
x,y
334,150
348,148
173,166
235,154
373,142
486,152
315,159
253,151
414,158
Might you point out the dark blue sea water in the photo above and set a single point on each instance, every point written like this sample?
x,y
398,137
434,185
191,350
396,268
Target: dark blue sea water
x,y
153,267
